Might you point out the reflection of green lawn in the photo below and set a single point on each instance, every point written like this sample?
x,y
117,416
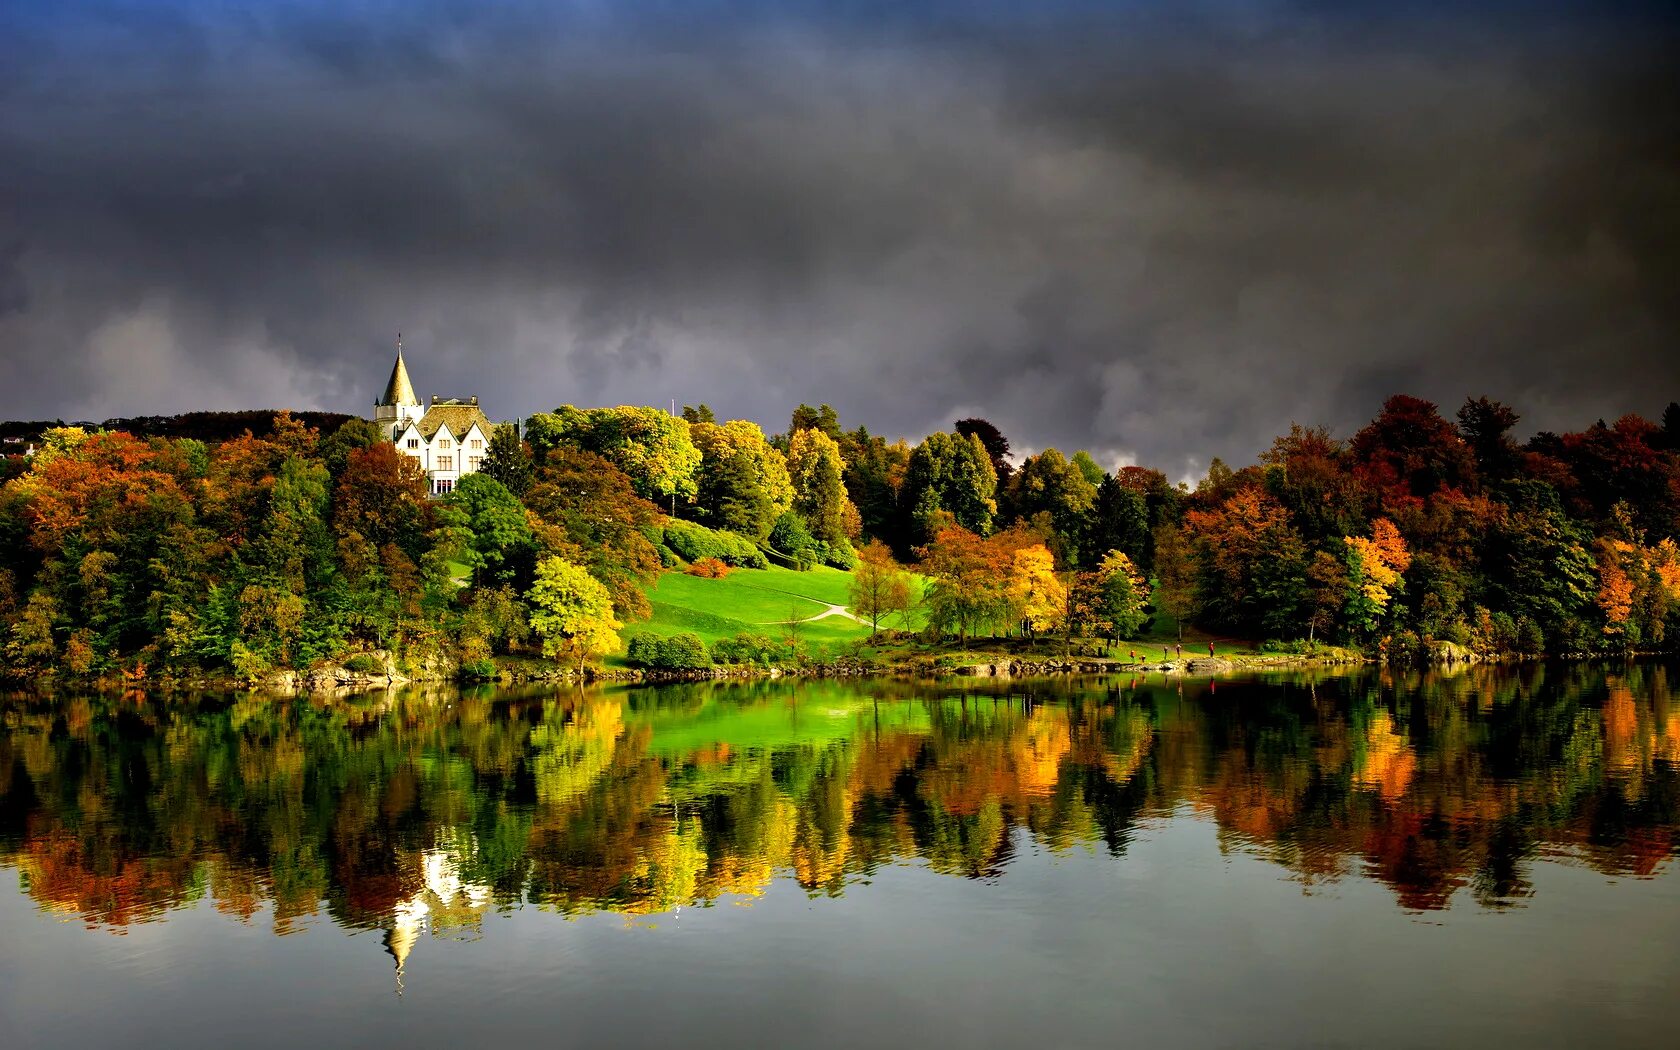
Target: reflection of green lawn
x,y
810,717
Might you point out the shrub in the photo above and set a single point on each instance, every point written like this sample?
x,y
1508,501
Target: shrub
x,y
790,536
643,650
747,648
680,652
1406,647
708,568
364,663
839,555
479,671
693,542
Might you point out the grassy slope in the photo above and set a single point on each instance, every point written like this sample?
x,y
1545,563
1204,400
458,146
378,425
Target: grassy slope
x,y
756,601
753,601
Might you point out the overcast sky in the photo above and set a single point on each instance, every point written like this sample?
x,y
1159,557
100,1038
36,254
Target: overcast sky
x,y
1159,231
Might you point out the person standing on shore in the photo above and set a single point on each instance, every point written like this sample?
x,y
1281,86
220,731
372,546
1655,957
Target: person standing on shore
x,y
1210,648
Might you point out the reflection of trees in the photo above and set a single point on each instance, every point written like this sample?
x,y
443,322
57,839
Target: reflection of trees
x,y
413,813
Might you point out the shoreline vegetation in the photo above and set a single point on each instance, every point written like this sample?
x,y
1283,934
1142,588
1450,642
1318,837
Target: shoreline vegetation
x,y
629,544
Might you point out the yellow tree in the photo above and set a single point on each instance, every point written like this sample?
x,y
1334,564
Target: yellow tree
x,y
1036,596
818,472
572,612
1375,567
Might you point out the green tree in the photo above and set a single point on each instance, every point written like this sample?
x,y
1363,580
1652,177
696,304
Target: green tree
x,y
823,420
1121,596
1119,521
352,436
993,441
951,475
501,547
1088,467
507,460
1050,485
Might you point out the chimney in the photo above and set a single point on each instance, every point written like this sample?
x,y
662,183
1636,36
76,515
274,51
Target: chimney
x,y
475,399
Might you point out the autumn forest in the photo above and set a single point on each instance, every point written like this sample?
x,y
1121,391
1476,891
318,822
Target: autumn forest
x,y
286,546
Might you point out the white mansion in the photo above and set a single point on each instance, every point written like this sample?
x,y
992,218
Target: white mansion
x,y
448,437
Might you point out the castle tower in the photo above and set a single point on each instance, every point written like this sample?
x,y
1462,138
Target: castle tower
x,y
398,406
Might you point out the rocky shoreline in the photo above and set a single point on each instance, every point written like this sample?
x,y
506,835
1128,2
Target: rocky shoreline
x,y
372,671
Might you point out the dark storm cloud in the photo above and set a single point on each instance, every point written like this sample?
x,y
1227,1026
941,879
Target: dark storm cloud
x,y
1157,231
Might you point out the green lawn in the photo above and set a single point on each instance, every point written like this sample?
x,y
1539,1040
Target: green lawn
x,y
752,601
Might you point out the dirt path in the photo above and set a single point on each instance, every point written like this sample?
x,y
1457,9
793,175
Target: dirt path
x,y
828,610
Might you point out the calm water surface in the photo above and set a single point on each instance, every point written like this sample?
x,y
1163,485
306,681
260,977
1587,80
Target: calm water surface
x,y
1353,861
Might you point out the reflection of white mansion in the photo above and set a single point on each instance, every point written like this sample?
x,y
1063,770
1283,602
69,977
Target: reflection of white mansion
x,y
448,438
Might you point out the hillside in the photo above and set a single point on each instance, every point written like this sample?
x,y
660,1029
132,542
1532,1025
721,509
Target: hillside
x,y
754,601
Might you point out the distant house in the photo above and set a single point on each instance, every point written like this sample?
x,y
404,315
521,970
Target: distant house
x,y
449,436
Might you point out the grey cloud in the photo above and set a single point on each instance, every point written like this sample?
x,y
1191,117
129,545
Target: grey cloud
x,y
1158,235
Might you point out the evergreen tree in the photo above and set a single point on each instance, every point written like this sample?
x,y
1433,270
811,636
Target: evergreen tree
x,y
507,460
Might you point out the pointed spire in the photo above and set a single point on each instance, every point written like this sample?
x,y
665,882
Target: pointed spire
x,y
399,391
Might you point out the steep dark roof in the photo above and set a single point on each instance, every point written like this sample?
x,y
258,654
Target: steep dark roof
x,y
458,418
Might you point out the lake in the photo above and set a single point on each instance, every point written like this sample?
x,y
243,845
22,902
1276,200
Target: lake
x,y
1373,859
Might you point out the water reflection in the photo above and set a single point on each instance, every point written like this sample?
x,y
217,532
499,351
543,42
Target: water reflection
x,y
416,814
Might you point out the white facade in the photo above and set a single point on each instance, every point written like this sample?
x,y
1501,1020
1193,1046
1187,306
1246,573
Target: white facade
x,y
449,437
446,457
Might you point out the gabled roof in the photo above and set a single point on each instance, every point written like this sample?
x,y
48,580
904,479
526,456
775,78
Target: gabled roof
x,y
458,418
399,391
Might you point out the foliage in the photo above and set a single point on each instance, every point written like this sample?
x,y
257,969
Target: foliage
x,y
651,447
949,480
742,482
694,542
587,510
508,461
1121,607
571,612
880,587
708,568
792,538
819,488
679,652
502,546
1050,485
970,580
1034,594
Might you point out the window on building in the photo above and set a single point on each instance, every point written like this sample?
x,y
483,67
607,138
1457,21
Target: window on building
x,y
446,463
474,461
477,443
413,442
443,443
444,485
